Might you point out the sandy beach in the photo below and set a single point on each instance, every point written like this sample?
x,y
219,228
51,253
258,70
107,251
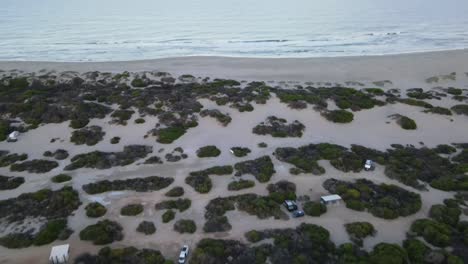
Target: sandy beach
x,y
372,128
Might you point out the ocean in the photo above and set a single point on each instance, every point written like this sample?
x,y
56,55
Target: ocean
x,y
115,30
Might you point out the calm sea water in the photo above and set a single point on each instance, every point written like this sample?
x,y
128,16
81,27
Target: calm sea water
x,y
100,30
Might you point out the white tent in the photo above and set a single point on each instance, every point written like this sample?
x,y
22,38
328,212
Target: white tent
x,y
59,254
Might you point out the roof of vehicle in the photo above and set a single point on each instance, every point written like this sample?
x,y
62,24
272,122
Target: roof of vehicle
x,y
332,197
290,202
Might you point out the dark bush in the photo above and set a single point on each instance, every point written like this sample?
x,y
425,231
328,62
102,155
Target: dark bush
x,y
460,109
445,214
208,151
175,192
406,123
123,256
146,228
439,110
59,154
170,134
95,210
180,204
115,140
139,121
185,226
262,168
168,216
79,123
358,231
35,166
121,116
131,210
61,178
224,119
88,135
103,232
339,116
10,183
200,182
281,191
7,160
240,151
437,234
44,203
50,232
314,208
151,183
106,160
278,127
240,184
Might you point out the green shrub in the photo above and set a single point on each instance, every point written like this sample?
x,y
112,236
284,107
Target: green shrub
x,y
445,149
168,216
435,233
103,232
185,226
262,168
115,140
314,208
414,102
359,231
175,192
122,116
61,178
200,182
262,145
10,183
416,249
281,191
208,151
454,91
438,110
35,166
240,184
95,209
50,232
89,135
146,228
170,134
445,214
407,123
124,256
139,121
240,151
137,82
179,204
16,240
253,236
79,123
131,210
384,253
460,109
339,116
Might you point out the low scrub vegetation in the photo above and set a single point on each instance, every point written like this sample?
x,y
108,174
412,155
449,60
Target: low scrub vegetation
x,y
148,184
102,233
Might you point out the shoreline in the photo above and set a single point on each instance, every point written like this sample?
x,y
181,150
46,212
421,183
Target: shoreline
x,y
412,68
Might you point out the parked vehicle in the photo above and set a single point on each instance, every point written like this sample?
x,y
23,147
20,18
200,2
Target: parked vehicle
x,y
290,205
183,254
298,213
369,165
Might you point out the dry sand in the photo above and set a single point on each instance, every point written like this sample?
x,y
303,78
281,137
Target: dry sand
x,y
371,128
